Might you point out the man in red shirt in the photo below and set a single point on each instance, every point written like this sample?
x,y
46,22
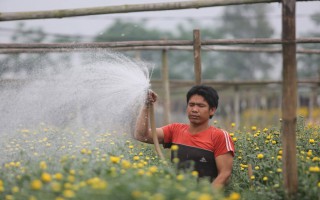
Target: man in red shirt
x,y
210,149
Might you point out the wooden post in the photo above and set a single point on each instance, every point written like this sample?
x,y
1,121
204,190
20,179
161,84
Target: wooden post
x,y
237,106
289,98
166,88
197,56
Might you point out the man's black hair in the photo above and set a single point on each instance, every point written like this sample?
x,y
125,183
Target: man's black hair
x,y
207,92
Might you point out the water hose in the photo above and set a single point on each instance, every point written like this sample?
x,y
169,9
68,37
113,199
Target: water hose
x,y
154,132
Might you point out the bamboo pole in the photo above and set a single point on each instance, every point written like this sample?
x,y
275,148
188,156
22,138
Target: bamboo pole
x,y
166,87
154,133
197,56
236,102
62,13
187,83
289,99
145,43
157,48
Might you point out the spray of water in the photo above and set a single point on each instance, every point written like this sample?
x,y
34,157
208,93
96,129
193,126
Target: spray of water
x,y
106,93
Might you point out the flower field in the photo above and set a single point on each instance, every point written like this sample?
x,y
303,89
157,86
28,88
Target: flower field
x,y
48,163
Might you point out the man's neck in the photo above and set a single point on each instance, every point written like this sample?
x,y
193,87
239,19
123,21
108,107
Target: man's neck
x,y
196,128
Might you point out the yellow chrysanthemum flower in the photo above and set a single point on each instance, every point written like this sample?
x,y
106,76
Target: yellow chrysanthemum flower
x,y
125,164
180,177
68,193
205,196
260,156
174,147
115,159
36,184
234,196
58,176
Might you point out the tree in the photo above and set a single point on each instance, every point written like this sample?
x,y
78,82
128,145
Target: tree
x,y
308,64
25,64
245,21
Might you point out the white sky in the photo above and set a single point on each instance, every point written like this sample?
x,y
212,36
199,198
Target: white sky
x,y
92,25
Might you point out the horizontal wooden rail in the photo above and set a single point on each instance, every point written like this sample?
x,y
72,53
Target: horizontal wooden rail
x,y
158,48
188,82
11,16
118,44
233,83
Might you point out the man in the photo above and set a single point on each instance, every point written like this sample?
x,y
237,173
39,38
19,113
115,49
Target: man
x,y
210,149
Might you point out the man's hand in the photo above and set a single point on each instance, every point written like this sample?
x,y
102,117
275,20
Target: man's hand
x,y
152,97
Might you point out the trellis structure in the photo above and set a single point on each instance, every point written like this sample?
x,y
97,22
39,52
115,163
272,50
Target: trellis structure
x,y
288,41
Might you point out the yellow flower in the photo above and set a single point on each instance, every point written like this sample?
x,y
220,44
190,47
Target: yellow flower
x,y
153,169
140,172
265,130
135,158
265,178
311,141
15,189
279,170
71,178
136,194
195,173
32,198
158,196
254,128
180,177
46,177
234,196
9,197
83,151
309,153
174,147
125,164
115,159
68,193
36,184
175,160
234,139
56,187
252,177
58,176
260,156
233,124
43,165
314,169
205,196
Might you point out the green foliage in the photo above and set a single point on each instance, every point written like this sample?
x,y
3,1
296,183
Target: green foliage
x,y
49,163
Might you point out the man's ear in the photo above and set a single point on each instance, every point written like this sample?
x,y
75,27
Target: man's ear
x,y
212,111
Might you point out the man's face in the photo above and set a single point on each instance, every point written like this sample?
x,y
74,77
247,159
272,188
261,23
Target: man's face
x,y
198,110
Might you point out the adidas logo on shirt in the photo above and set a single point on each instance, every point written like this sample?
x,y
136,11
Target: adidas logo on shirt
x,y
203,159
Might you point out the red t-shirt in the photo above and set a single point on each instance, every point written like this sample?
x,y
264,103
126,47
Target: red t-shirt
x,y
201,148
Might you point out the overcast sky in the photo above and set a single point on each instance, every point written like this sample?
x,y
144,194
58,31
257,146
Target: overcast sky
x,y
165,20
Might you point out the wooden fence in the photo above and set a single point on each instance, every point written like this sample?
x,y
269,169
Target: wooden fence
x,y
288,42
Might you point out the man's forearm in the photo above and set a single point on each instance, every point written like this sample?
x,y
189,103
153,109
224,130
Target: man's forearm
x,y
221,180
141,132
